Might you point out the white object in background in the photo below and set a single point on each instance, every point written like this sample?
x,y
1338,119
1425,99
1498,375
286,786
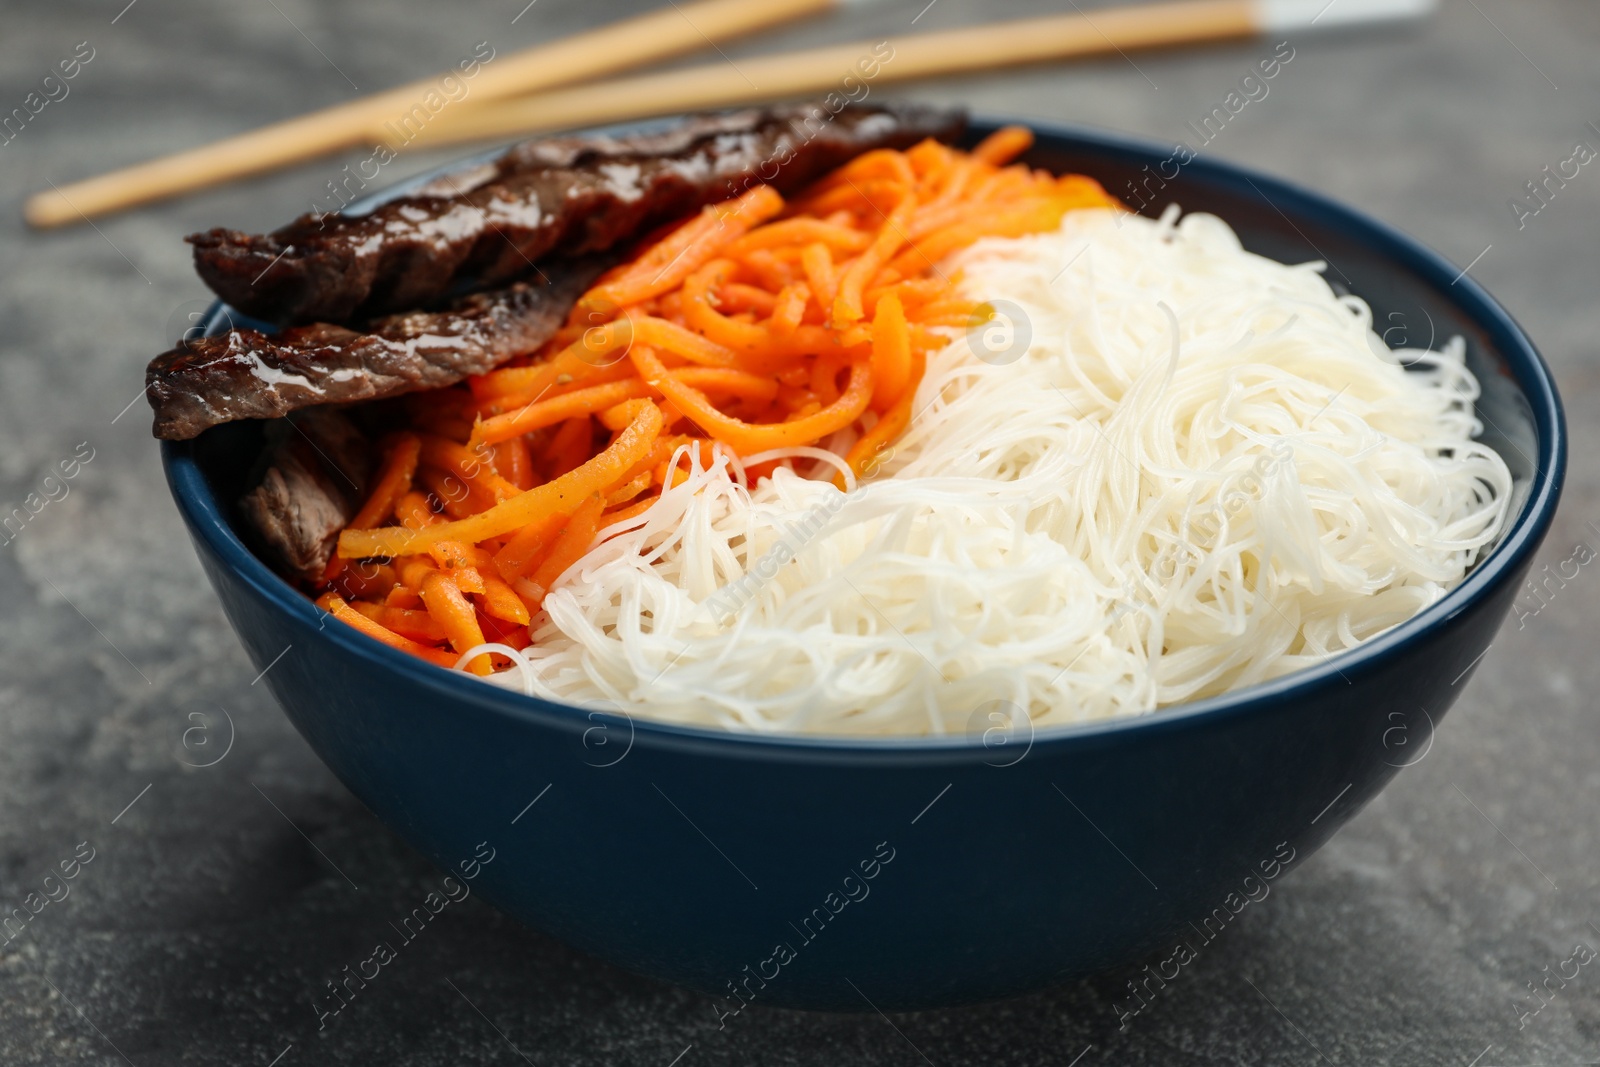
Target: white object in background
x,y
1274,16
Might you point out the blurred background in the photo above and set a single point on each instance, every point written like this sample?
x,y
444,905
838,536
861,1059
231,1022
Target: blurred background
x,y
221,888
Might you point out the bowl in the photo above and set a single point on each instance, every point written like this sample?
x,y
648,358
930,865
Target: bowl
x,y
919,872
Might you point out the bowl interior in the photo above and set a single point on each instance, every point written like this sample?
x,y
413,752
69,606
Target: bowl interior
x,y
1418,300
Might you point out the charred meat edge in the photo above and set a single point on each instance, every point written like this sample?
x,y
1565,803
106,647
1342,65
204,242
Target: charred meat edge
x,y
575,194
245,374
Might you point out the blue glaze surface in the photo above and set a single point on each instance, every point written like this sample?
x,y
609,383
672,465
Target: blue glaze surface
x,y
690,855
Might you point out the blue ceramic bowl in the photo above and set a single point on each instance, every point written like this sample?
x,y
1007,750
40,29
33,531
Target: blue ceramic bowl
x,y
920,872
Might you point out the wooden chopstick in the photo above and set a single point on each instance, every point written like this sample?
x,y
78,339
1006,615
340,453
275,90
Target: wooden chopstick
x,y
624,45
821,70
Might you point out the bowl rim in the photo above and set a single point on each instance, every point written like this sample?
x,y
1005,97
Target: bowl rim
x,y
209,524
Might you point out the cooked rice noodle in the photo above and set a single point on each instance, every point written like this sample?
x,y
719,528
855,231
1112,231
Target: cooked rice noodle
x,y
1204,471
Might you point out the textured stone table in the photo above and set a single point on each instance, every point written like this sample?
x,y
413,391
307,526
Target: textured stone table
x,y
219,898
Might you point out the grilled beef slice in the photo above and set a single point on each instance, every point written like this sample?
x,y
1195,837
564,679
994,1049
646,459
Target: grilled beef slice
x,y
314,479
576,195
245,374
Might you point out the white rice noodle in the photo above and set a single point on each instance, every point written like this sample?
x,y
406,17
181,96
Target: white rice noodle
x,y
1205,471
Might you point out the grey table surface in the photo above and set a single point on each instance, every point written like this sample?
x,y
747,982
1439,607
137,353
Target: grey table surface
x,y
211,912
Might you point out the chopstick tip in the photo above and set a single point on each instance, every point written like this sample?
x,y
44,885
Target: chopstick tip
x,y
47,210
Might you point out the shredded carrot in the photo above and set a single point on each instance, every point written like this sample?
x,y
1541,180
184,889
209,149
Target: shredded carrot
x,y
502,602
1004,145
891,352
561,496
561,409
612,518
399,467
639,484
752,325
413,511
472,463
665,266
336,606
789,309
571,445
847,303
450,494
568,549
409,623
868,449
511,458
449,608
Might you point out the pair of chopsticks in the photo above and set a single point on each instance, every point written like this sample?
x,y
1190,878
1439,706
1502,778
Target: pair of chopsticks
x,y
535,90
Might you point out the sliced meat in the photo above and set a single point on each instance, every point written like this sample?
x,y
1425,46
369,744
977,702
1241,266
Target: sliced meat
x,y
245,374
314,481
488,226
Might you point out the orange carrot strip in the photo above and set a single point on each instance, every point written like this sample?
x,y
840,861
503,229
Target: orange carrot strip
x,y
455,616
399,468
414,570
670,337
789,309
564,384
865,198
740,297
1080,190
511,458
471,463
515,636
630,490
452,554
769,269
570,446
452,494
913,292
659,453
799,401
466,579
825,375
363,580
598,346
612,518
867,450
876,164
1003,145
891,352
1010,184
820,275
526,547
800,231
748,437
929,158
847,301
562,496
569,547
560,409
1032,216
403,597
416,625
933,217
664,267
502,602
703,316
413,511
727,380
617,418
859,334
336,606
